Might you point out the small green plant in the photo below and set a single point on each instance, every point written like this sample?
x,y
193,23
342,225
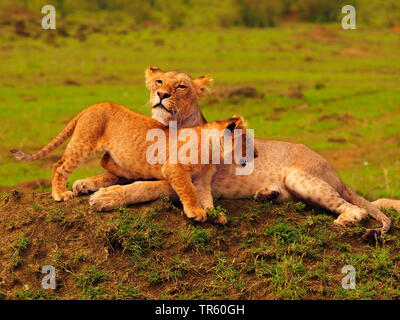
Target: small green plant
x,y
89,281
18,247
136,234
36,207
216,212
295,206
382,263
29,293
57,257
195,237
57,215
393,214
225,272
283,233
252,212
164,204
127,292
179,267
287,276
22,243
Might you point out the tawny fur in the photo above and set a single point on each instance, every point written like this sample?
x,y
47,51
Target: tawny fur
x,y
282,171
121,133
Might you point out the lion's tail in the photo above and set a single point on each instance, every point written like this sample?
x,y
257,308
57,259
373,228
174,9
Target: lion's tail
x,y
57,141
387,203
372,209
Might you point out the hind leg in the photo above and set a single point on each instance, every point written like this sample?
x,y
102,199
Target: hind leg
x,y
140,191
73,156
317,191
106,179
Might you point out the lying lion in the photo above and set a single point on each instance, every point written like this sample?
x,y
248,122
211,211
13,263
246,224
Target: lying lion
x,y
283,170
122,133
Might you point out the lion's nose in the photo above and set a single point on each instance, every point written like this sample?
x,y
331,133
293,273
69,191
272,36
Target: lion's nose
x,y
163,94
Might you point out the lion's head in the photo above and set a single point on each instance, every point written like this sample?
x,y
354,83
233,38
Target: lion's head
x,y
174,95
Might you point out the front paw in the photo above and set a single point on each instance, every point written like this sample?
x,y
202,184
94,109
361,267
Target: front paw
x,y
222,220
64,196
84,186
107,199
199,215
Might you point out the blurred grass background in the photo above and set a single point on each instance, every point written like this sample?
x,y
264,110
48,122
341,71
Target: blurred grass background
x,y
287,66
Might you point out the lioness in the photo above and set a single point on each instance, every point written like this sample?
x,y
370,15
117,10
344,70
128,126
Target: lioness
x,y
123,134
282,171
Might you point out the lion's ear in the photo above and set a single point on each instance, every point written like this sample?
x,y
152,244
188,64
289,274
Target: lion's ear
x,y
150,74
202,84
238,121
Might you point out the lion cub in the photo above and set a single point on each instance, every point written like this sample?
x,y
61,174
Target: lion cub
x,y
123,134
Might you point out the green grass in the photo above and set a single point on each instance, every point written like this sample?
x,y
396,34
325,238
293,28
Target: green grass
x,y
195,237
283,233
287,276
136,234
89,282
127,292
33,294
18,247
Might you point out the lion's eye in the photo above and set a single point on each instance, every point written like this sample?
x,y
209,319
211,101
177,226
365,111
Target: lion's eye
x,y
181,86
159,81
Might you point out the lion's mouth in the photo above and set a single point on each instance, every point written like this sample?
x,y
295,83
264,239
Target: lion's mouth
x,y
160,105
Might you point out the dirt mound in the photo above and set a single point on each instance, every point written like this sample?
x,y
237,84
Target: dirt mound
x,y
28,185
152,251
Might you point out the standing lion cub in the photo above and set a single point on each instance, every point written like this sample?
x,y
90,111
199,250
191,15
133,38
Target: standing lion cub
x,y
122,134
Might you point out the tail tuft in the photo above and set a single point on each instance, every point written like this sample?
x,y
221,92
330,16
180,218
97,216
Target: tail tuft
x,y
61,137
20,155
373,211
372,234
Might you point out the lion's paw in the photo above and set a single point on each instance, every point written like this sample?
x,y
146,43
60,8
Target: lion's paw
x,y
199,215
64,196
107,199
222,219
84,186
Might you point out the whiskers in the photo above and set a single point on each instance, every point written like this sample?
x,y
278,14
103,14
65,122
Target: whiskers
x,y
146,104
